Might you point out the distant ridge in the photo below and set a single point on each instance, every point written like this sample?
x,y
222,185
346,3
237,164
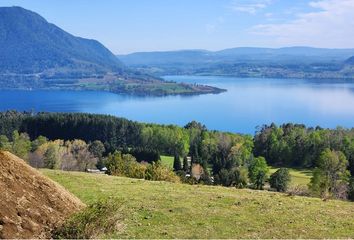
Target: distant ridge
x,y
288,62
240,54
350,61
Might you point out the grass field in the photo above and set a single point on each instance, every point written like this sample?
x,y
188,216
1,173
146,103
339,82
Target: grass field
x,y
167,161
298,176
148,209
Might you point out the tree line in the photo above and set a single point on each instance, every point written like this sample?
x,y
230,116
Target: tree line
x,y
330,152
77,155
227,159
71,155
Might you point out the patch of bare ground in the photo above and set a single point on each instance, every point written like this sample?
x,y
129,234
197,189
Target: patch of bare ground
x,y
31,205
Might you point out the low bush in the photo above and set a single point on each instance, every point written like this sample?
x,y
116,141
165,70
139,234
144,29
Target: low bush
x,y
124,165
94,221
158,172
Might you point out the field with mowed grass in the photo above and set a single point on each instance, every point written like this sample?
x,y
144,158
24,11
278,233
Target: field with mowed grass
x,y
167,161
146,209
299,177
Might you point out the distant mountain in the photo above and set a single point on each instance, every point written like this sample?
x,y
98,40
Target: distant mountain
x,y
29,44
35,54
350,61
289,62
169,57
239,55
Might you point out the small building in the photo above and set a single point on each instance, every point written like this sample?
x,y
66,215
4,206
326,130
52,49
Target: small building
x,y
97,171
189,162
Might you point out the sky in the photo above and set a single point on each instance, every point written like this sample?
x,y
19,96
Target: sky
x,y
126,26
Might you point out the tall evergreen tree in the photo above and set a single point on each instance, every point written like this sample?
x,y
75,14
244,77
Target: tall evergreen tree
x,y
258,171
177,163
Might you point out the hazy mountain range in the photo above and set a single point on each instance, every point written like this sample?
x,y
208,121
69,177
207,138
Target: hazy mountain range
x,y
241,55
37,54
298,62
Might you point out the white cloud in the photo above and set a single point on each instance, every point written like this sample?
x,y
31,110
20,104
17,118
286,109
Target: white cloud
x,y
250,6
329,24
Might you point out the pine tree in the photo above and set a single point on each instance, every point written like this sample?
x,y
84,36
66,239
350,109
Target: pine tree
x,y
177,163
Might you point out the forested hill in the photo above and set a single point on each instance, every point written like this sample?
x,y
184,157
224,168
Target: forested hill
x,y
29,44
35,54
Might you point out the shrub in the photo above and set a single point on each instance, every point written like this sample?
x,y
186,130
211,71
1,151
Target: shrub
x,y
236,177
124,165
205,178
240,177
280,180
158,172
97,219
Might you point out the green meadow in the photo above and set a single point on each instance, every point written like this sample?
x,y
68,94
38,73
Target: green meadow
x,y
133,208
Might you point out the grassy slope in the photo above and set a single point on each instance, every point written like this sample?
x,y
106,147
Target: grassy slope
x,y
166,210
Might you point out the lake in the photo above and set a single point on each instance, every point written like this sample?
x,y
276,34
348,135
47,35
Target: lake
x,y
248,103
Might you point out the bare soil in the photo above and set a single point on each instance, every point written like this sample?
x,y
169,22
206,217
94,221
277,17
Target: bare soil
x,y
31,205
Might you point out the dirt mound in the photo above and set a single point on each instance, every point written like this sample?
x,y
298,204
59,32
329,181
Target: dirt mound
x,y
31,205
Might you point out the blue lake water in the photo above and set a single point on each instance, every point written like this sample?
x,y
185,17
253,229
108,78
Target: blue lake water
x,y
248,103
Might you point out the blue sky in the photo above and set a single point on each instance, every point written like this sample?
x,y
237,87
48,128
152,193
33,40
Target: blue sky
x,y
126,26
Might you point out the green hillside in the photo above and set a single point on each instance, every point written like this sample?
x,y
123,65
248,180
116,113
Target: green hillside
x,y
144,209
